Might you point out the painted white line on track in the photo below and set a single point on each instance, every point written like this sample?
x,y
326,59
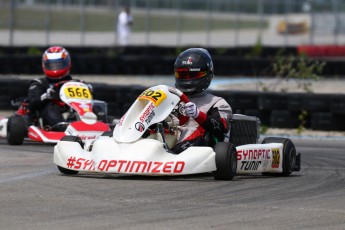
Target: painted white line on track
x,y
305,137
28,176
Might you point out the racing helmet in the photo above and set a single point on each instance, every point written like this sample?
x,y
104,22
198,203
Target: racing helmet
x,y
193,71
56,62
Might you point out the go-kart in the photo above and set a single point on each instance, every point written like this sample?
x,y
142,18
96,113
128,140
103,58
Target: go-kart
x,y
76,99
142,140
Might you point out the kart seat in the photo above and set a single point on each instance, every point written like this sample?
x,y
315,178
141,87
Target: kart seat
x,y
170,139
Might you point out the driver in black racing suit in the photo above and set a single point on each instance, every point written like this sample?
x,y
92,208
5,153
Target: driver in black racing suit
x,y
209,115
56,65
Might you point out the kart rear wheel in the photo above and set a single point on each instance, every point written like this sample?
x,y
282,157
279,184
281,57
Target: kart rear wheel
x,y
70,139
289,154
16,130
226,161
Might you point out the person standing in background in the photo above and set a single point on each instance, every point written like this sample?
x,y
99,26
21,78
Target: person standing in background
x,y
124,26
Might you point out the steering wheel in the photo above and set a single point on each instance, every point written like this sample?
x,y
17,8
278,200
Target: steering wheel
x,y
56,87
183,98
182,119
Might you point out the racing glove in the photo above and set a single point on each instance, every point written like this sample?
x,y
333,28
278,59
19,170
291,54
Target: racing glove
x,y
191,110
48,95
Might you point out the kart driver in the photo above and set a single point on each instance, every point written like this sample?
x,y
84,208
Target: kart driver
x,y
209,115
56,65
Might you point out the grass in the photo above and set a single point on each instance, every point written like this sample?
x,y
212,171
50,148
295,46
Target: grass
x,y
69,20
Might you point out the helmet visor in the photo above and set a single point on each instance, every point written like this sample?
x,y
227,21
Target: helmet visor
x,y
190,73
57,64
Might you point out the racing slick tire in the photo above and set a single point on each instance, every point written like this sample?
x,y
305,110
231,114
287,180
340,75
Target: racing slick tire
x,y
226,161
67,171
70,139
16,130
289,154
107,134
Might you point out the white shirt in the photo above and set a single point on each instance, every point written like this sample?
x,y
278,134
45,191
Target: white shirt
x,y
124,23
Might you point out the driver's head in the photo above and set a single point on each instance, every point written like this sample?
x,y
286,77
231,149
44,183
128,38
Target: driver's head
x,y
193,71
56,63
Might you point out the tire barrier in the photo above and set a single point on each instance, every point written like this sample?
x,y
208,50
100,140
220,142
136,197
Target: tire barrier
x,y
327,121
148,60
153,65
284,119
337,105
310,102
278,110
130,65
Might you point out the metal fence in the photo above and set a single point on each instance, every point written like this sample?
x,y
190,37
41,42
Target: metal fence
x,y
173,22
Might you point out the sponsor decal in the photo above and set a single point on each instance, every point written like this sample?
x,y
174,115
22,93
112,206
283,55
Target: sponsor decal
x,y
253,154
275,158
85,107
216,124
149,118
87,137
33,134
188,62
250,165
124,166
80,163
147,114
139,126
122,119
81,108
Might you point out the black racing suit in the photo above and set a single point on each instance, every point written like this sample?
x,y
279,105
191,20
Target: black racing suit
x,y
209,127
48,110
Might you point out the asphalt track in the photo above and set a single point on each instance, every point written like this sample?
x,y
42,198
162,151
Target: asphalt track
x,y
34,195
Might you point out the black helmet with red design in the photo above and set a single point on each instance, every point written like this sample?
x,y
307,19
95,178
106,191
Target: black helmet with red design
x,y
56,62
193,71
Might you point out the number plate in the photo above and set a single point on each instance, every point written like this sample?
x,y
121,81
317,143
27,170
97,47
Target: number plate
x,y
77,92
156,96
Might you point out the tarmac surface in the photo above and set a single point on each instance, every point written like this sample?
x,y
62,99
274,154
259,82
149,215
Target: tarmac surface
x,y
35,195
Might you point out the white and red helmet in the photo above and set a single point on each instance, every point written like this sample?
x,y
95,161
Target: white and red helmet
x,y
56,62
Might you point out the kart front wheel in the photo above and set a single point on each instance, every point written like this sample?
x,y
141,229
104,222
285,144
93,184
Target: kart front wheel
x,y
289,153
107,134
73,139
70,139
16,130
226,161
67,171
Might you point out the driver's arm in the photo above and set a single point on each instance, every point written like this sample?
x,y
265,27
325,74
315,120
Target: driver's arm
x,y
34,95
216,121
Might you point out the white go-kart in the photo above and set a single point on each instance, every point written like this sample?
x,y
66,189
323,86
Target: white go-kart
x,y
142,140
